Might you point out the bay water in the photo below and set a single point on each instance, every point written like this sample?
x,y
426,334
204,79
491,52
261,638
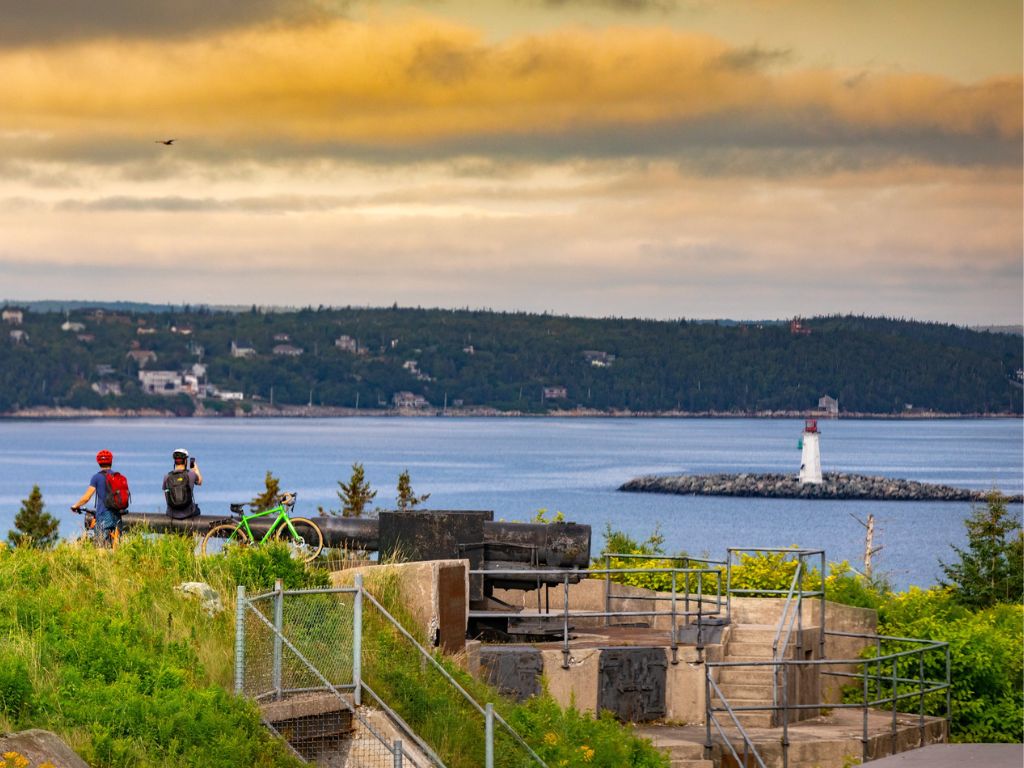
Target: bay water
x,y
517,466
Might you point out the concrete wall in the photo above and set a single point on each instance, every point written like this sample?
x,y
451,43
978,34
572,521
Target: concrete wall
x,y
577,686
436,594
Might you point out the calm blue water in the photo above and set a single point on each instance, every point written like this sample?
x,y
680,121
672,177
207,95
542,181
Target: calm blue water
x,y
517,466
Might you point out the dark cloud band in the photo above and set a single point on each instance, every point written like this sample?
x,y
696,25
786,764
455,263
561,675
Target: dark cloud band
x,y
57,21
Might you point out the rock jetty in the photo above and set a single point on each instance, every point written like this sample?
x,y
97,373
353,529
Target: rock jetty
x,y
835,485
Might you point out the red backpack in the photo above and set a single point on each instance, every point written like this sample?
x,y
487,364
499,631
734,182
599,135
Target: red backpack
x,y
118,496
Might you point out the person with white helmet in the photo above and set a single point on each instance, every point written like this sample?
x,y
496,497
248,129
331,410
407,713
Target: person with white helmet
x,y
179,486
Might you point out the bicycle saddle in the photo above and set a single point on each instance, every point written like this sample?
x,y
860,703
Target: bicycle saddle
x,y
237,508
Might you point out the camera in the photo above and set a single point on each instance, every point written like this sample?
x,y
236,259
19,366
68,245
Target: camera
x,y
192,462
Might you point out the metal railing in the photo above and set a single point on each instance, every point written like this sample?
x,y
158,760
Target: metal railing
x,y
796,588
873,682
698,606
294,643
878,690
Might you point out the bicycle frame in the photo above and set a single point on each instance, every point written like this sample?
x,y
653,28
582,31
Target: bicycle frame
x,y
282,515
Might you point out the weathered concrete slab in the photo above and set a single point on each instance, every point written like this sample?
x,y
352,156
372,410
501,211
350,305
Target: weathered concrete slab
x,y
957,756
310,705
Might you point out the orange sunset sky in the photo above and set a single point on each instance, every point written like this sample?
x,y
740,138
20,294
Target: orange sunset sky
x,y
659,158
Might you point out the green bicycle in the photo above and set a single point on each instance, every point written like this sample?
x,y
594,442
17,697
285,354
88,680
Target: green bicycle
x,y
303,537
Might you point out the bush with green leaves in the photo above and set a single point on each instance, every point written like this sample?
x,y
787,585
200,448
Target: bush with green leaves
x,y
986,665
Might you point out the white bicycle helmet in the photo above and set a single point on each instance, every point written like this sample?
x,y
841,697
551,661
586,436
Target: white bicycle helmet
x,y
179,452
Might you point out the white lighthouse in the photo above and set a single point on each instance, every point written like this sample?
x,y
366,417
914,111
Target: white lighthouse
x,y
810,456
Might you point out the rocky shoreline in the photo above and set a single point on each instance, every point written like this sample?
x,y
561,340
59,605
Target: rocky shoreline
x,y
835,485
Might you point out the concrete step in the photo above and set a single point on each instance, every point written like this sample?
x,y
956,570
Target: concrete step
x,y
751,649
757,718
738,690
753,633
749,675
684,762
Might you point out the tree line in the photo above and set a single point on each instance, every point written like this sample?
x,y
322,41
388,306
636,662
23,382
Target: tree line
x,y
512,361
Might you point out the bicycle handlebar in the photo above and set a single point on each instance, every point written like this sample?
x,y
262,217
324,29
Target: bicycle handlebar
x,y
286,499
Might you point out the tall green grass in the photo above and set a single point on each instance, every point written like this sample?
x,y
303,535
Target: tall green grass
x,y
97,646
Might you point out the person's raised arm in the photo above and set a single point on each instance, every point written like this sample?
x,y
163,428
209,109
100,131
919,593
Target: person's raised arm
x,y
85,498
199,475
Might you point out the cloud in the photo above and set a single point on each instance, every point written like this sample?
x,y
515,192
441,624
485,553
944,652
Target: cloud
x,y
420,87
45,22
633,6
635,238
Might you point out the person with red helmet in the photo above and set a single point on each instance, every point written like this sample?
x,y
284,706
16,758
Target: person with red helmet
x,y
107,522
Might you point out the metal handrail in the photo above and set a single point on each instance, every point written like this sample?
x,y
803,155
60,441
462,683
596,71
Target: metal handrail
x,y
776,654
607,614
430,658
749,749
924,686
336,690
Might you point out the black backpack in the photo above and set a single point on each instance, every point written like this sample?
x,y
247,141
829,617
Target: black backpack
x,y
178,491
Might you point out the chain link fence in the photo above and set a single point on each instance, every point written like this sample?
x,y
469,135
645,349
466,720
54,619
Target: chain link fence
x,y
343,697
297,656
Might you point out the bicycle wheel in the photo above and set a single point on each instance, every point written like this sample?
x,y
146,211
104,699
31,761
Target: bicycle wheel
x,y
310,540
224,536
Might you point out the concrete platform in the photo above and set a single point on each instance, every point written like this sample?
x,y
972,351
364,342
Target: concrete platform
x,y
831,741
957,756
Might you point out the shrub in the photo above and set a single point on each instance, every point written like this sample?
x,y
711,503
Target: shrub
x,y
986,667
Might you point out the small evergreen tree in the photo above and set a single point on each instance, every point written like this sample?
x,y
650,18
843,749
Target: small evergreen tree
x,y
407,499
270,495
34,527
355,494
991,569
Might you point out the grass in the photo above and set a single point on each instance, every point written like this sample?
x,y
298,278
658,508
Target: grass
x,y
99,647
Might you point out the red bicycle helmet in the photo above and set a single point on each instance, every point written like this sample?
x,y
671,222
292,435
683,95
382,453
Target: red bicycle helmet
x,y
104,457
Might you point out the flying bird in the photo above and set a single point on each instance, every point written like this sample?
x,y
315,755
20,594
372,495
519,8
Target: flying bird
x,y
168,142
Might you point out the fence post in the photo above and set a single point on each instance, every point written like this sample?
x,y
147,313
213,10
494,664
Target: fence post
x,y
565,625
785,715
920,698
821,612
397,752
279,627
675,629
607,590
708,744
864,724
489,735
700,619
240,603
895,701
357,641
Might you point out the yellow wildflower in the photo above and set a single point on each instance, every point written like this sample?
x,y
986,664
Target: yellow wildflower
x,y
550,738
588,753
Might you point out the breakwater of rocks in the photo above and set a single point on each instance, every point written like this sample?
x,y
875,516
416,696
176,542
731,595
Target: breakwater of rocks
x,y
835,485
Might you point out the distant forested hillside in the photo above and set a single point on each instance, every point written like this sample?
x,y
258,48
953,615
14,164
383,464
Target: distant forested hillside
x,y
416,358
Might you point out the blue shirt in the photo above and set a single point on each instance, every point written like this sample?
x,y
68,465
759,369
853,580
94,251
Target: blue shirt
x,y
99,482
